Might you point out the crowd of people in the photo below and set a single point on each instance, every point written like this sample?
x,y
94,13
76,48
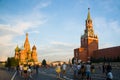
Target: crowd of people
x,y
26,71
83,71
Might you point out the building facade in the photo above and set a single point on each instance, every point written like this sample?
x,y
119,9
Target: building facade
x,y
25,55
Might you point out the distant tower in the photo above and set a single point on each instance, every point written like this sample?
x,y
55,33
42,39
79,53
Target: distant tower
x,y
89,41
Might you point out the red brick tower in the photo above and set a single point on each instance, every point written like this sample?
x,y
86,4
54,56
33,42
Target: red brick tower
x,y
89,42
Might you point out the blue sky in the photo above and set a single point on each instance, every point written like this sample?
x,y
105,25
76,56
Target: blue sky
x,y
55,26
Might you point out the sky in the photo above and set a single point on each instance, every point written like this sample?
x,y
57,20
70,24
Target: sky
x,y
55,26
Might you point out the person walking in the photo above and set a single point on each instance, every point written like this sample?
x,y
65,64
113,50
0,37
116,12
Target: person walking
x,y
75,70
25,68
21,70
79,70
109,76
37,69
103,68
108,68
64,67
88,71
58,70
82,70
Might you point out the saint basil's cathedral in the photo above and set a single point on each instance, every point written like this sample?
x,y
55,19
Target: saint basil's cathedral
x,y
26,55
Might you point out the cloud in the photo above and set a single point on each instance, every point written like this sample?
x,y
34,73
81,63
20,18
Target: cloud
x,y
107,30
56,51
41,5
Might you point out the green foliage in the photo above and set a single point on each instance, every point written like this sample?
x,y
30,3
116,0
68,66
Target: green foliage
x,y
12,62
44,62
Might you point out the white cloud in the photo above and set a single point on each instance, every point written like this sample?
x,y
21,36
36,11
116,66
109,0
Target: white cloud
x,y
42,5
107,30
56,51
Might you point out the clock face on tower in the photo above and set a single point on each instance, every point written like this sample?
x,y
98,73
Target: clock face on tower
x,y
90,31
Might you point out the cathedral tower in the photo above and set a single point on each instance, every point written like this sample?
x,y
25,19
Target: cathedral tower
x,y
27,44
34,54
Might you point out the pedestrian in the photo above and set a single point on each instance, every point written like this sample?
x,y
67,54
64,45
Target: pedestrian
x,y
29,71
75,70
21,70
58,70
103,68
108,68
79,70
37,67
82,70
17,69
92,68
25,68
109,76
88,71
64,67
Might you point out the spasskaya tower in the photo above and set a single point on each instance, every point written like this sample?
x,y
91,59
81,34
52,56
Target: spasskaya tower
x,y
89,41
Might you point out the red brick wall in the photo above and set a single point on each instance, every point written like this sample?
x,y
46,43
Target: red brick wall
x,y
80,54
112,52
92,46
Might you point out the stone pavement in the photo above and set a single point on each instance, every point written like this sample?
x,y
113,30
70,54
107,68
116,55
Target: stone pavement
x,y
5,74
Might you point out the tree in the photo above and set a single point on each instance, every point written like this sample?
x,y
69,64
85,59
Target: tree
x,y
8,63
44,62
12,62
73,60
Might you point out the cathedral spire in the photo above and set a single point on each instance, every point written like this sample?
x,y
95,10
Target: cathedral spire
x,y
88,17
27,44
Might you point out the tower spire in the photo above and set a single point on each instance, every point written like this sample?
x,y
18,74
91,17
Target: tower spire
x,y
88,17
